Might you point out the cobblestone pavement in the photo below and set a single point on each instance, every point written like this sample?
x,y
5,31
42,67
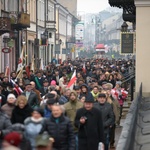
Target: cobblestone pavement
x,y
118,133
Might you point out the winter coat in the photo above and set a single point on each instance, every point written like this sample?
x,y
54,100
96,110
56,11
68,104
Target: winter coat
x,y
61,131
5,125
33,99
32,129
107,115
7,109
71,109
19,115
63,100
91,132
116,109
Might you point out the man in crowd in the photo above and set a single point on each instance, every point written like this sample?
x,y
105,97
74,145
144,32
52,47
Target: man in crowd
x,y
60,129
107,116
30,95
90,126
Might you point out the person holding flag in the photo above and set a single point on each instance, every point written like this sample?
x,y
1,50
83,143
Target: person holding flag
x,y
72,81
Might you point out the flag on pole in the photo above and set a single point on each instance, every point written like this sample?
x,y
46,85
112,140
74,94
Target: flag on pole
x,y
72,80
7,72
16,87
20,62
41,64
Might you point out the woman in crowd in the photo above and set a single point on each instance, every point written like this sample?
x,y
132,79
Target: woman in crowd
x,y
21,111
33,125
10,105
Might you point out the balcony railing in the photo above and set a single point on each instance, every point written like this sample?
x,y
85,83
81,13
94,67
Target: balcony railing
x,y
19,20
5,25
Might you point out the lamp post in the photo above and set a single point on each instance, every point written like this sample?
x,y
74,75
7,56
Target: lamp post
x,y
124,27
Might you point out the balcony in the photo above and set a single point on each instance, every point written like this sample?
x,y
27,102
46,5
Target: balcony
x,y
5,25
19,21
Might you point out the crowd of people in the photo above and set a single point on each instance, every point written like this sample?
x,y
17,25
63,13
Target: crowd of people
x,y
40,112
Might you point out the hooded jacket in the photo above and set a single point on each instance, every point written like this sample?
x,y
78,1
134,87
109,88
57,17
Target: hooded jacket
x,y
88,95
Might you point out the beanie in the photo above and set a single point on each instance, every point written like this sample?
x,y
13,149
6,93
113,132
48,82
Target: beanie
x,y
11,96
14,138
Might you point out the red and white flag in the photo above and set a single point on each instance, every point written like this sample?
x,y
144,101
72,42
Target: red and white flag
x,y
20,62
16,88
72,80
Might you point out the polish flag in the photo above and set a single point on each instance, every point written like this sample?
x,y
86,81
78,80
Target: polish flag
x,y
72,80
16,88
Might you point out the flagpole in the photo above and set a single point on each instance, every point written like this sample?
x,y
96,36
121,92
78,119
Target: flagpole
x,y
18,76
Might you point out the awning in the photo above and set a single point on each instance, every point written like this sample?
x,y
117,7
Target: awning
x,y
100,46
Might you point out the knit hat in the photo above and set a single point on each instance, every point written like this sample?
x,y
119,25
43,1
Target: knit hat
x,y
53,82
11,96
39,110
14,138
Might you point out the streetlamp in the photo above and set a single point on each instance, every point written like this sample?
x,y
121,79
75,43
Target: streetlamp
x,y
124,27
44,42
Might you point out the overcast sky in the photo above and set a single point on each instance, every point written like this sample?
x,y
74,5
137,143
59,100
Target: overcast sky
x,y
92,6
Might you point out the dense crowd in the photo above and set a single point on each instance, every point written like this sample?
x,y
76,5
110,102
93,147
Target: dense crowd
x,y
39,111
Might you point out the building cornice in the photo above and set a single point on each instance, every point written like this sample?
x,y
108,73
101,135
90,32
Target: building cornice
x,y
142,3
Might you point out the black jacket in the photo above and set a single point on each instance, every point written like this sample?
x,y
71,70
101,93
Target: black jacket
x,y
32,100
62,133
19,115
107,115
90,133
43,92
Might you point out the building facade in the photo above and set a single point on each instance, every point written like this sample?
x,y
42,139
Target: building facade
x,y
13,21
50,26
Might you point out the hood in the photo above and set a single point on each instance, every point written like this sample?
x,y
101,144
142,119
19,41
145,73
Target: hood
x,y
84,85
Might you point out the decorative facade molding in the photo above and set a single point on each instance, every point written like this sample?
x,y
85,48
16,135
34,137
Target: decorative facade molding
x,y
142,3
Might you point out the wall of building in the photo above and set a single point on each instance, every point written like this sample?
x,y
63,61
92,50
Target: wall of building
x,y
142,45
70,5
0,42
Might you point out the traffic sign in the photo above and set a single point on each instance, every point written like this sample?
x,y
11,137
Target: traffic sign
x,y
6,50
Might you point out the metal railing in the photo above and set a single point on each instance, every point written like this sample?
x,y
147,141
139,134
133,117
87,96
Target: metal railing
x,y
127,138
130,79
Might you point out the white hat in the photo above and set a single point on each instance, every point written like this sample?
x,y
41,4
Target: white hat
x,y
11,96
